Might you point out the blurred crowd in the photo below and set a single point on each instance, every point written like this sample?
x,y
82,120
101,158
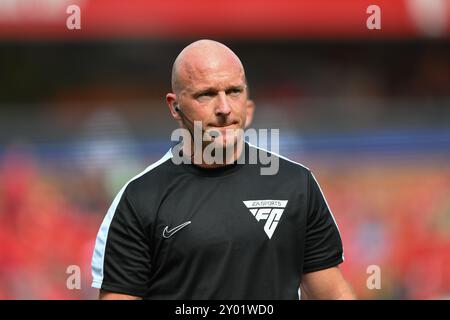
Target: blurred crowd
x,y
42,232
398,219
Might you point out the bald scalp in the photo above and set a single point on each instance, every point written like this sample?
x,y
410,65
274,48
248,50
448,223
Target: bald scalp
x,y
197,58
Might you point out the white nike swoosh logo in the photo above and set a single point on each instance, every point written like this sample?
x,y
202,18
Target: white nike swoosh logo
x,y
168,233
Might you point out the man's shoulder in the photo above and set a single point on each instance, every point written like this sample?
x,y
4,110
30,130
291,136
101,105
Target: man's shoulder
x,y
286,165
153,175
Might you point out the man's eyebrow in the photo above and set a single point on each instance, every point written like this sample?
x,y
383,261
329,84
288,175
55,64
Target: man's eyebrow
x,y
238,86
204,90
198,92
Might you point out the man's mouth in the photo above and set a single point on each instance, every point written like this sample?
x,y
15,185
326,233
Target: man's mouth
x,y
222,130
232,125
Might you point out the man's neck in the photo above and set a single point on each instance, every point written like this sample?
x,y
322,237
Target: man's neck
x,y
229,155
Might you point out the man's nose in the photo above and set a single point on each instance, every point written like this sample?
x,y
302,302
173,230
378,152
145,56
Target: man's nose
x,y
223,106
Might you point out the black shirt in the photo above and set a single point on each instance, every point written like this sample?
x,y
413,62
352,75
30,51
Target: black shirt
x,y
186,232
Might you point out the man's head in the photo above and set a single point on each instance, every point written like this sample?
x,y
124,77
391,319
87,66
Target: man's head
x,y
209,85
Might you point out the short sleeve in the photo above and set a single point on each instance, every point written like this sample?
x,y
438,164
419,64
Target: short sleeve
x,y
121,260
323,244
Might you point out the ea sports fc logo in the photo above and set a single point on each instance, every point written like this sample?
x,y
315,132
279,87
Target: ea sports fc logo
x,y
269,210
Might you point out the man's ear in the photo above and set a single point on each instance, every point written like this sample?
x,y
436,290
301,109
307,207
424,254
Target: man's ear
x,y
171,99
249,110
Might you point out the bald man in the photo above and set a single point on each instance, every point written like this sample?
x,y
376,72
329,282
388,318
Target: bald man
x,y
220,230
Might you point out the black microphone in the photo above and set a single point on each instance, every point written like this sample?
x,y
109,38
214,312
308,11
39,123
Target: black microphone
x,y
184,117
211,133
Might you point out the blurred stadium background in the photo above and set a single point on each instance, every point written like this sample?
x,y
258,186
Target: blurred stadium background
x,y
82,111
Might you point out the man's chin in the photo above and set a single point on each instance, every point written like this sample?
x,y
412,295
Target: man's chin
x,y
224,142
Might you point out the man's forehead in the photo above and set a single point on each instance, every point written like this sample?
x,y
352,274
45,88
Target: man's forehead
x,y
205,76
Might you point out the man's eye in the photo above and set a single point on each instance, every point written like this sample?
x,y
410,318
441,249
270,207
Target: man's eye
x,y
235,91
206,94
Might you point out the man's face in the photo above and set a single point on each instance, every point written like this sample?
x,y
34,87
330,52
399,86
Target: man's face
x,y
216,94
